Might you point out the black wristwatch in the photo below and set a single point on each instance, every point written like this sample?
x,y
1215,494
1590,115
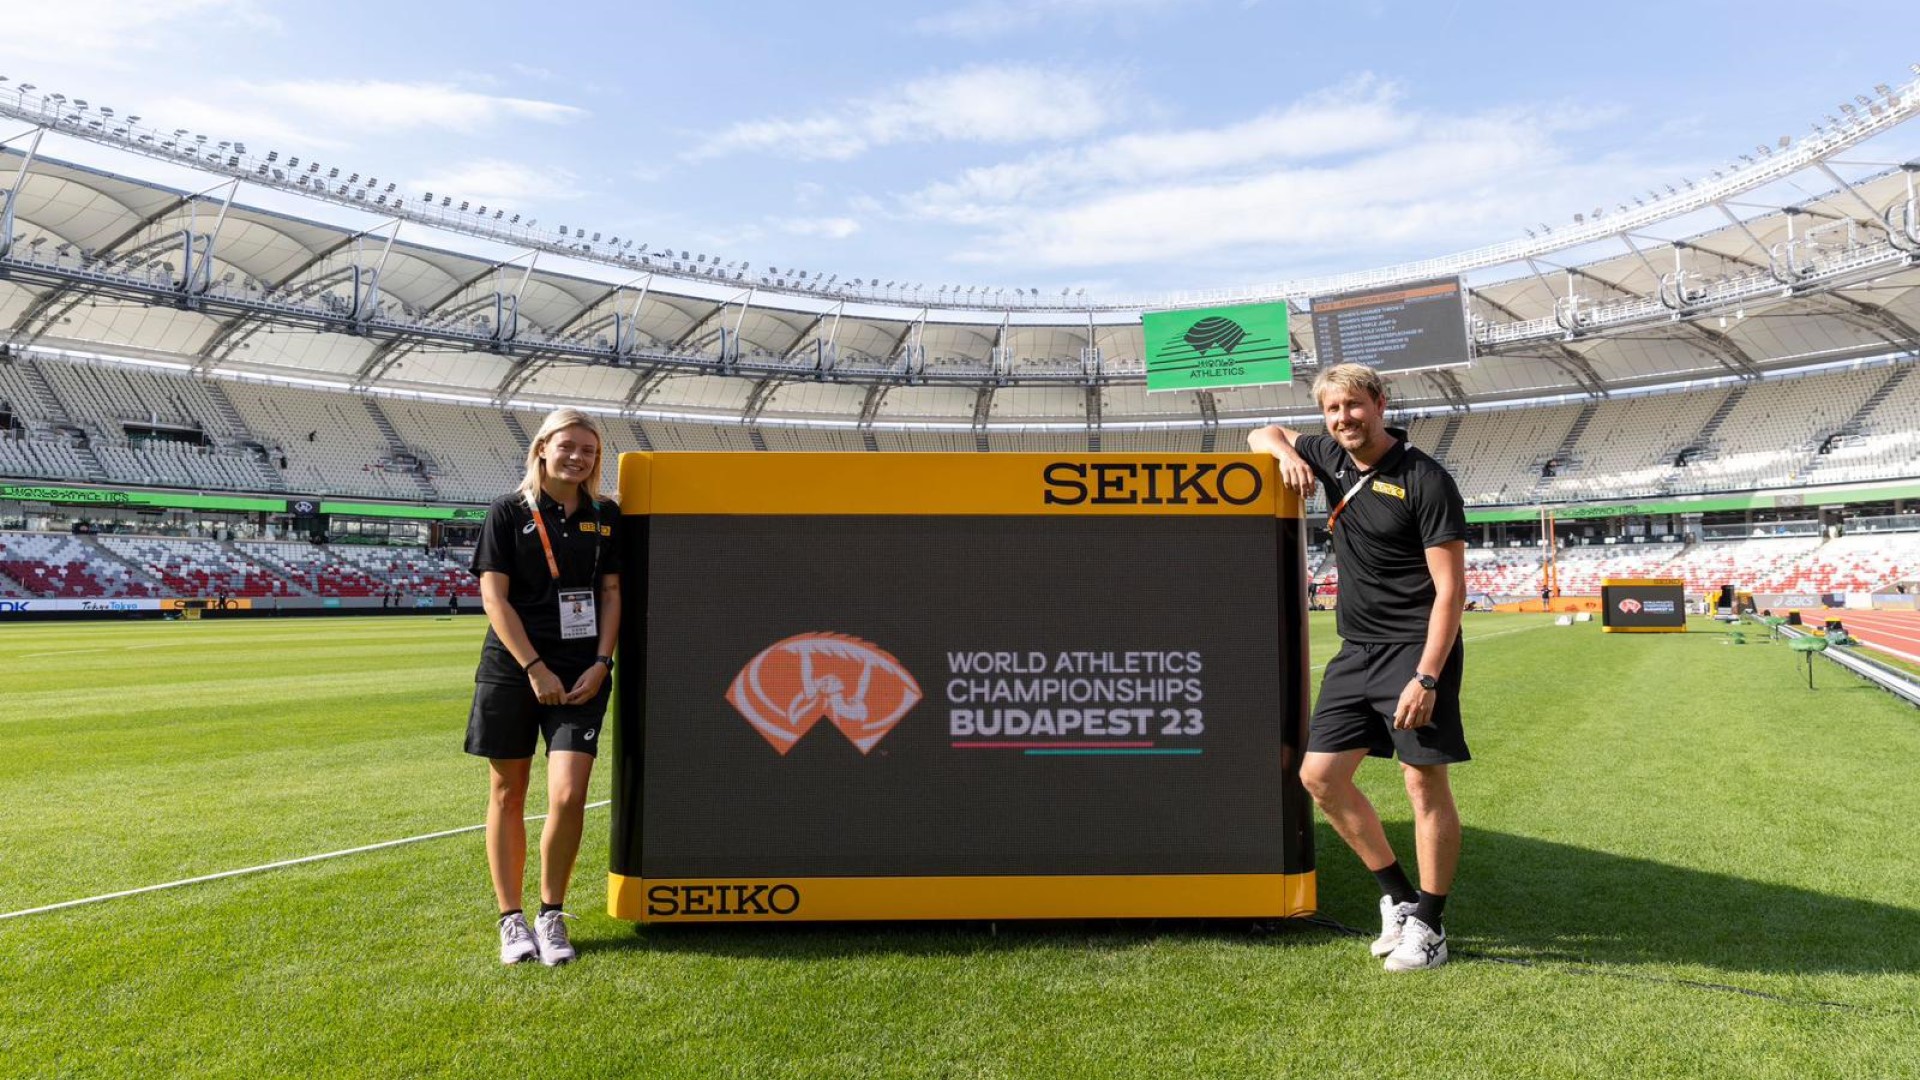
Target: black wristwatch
x,y
1427,682
607,660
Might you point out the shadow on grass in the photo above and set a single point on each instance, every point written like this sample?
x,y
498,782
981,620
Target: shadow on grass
x,y
1517,898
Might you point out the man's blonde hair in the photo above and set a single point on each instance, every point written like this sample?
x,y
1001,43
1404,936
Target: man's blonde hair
x,y
1351,377
557,421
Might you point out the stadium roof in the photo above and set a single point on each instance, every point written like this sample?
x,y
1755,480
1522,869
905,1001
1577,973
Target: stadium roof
x,y
1803,255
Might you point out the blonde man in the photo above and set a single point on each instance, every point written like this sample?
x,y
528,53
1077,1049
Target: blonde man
x,y
1399,531
550,584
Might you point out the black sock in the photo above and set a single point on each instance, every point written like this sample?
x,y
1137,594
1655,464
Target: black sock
x,y
1430,907
1393,882
546,907
505,915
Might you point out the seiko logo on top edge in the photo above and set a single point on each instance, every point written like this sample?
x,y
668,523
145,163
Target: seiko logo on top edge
x,y
1126,483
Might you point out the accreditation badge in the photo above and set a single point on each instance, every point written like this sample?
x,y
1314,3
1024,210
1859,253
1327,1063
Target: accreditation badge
x,y
576,614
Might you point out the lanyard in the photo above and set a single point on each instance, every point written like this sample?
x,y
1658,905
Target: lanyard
x,y
1331,518
546,542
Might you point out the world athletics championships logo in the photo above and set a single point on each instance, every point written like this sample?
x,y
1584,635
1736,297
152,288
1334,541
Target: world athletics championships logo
x,y
793,683
1630,606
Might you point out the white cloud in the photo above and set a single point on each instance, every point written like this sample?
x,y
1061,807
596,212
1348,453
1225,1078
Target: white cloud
x,y
1350,168
382,107
112,33
495,182
315,115
826,228
992,18
1359,116
996,104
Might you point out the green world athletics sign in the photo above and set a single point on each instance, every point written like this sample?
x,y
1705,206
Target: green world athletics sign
x,y
1202,348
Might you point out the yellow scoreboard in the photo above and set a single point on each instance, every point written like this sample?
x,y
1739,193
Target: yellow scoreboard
x,y
959,686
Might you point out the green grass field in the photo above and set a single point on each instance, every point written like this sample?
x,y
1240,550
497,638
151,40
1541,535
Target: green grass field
x,y
1679,862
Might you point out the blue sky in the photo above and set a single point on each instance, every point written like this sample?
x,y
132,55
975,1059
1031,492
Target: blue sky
x,y
1122,146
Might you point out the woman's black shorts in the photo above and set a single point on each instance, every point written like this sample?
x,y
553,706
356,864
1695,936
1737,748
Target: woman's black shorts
x,y
507,721
1362,687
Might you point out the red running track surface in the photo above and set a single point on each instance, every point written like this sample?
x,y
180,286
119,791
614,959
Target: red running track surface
x,y
1896,632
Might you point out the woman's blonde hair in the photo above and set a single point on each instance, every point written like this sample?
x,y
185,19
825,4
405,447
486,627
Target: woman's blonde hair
x,y
557,421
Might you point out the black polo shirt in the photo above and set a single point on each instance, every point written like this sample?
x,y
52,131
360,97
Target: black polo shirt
x,y
1407,504
584,546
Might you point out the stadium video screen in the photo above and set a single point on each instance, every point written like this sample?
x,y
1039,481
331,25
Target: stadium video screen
x,y
941,696
1021,710
1643,605
1398,328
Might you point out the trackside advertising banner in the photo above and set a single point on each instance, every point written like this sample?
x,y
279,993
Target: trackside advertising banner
x,y
31,606
37,606
1243,345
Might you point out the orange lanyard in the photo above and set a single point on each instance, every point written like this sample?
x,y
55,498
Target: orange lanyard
x,y
1332,517
546,542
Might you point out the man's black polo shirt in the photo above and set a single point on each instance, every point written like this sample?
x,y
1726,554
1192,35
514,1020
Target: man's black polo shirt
x,y
585,547
1407,504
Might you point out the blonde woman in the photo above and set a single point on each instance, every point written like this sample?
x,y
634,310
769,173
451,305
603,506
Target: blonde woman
x,y
550,586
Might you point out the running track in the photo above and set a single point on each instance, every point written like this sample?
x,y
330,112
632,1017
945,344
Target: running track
x,y
1896,632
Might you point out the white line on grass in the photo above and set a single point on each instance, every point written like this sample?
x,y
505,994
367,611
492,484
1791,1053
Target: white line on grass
x,y
265,866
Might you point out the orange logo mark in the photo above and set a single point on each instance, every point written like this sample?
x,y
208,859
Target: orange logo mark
x,y
786,689
1630,606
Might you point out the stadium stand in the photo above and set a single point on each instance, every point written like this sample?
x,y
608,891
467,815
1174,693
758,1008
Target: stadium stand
x,y
1762,564
1858,563
413,571
199,567
38,564
1580,570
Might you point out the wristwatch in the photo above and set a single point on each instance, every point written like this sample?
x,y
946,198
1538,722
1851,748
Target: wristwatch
x,y
607,660
1427,682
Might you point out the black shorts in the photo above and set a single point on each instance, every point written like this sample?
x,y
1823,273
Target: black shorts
x,y
507,722
1362,687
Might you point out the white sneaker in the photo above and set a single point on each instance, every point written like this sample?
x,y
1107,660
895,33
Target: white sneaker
x,y
1421,947
1392,917
516,940
550,932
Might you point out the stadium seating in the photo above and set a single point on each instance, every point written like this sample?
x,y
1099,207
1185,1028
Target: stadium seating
x,y
1495,456
199,567
1761,564
42,564
1580,570
1858,563
1502,572
413,571
1822,428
